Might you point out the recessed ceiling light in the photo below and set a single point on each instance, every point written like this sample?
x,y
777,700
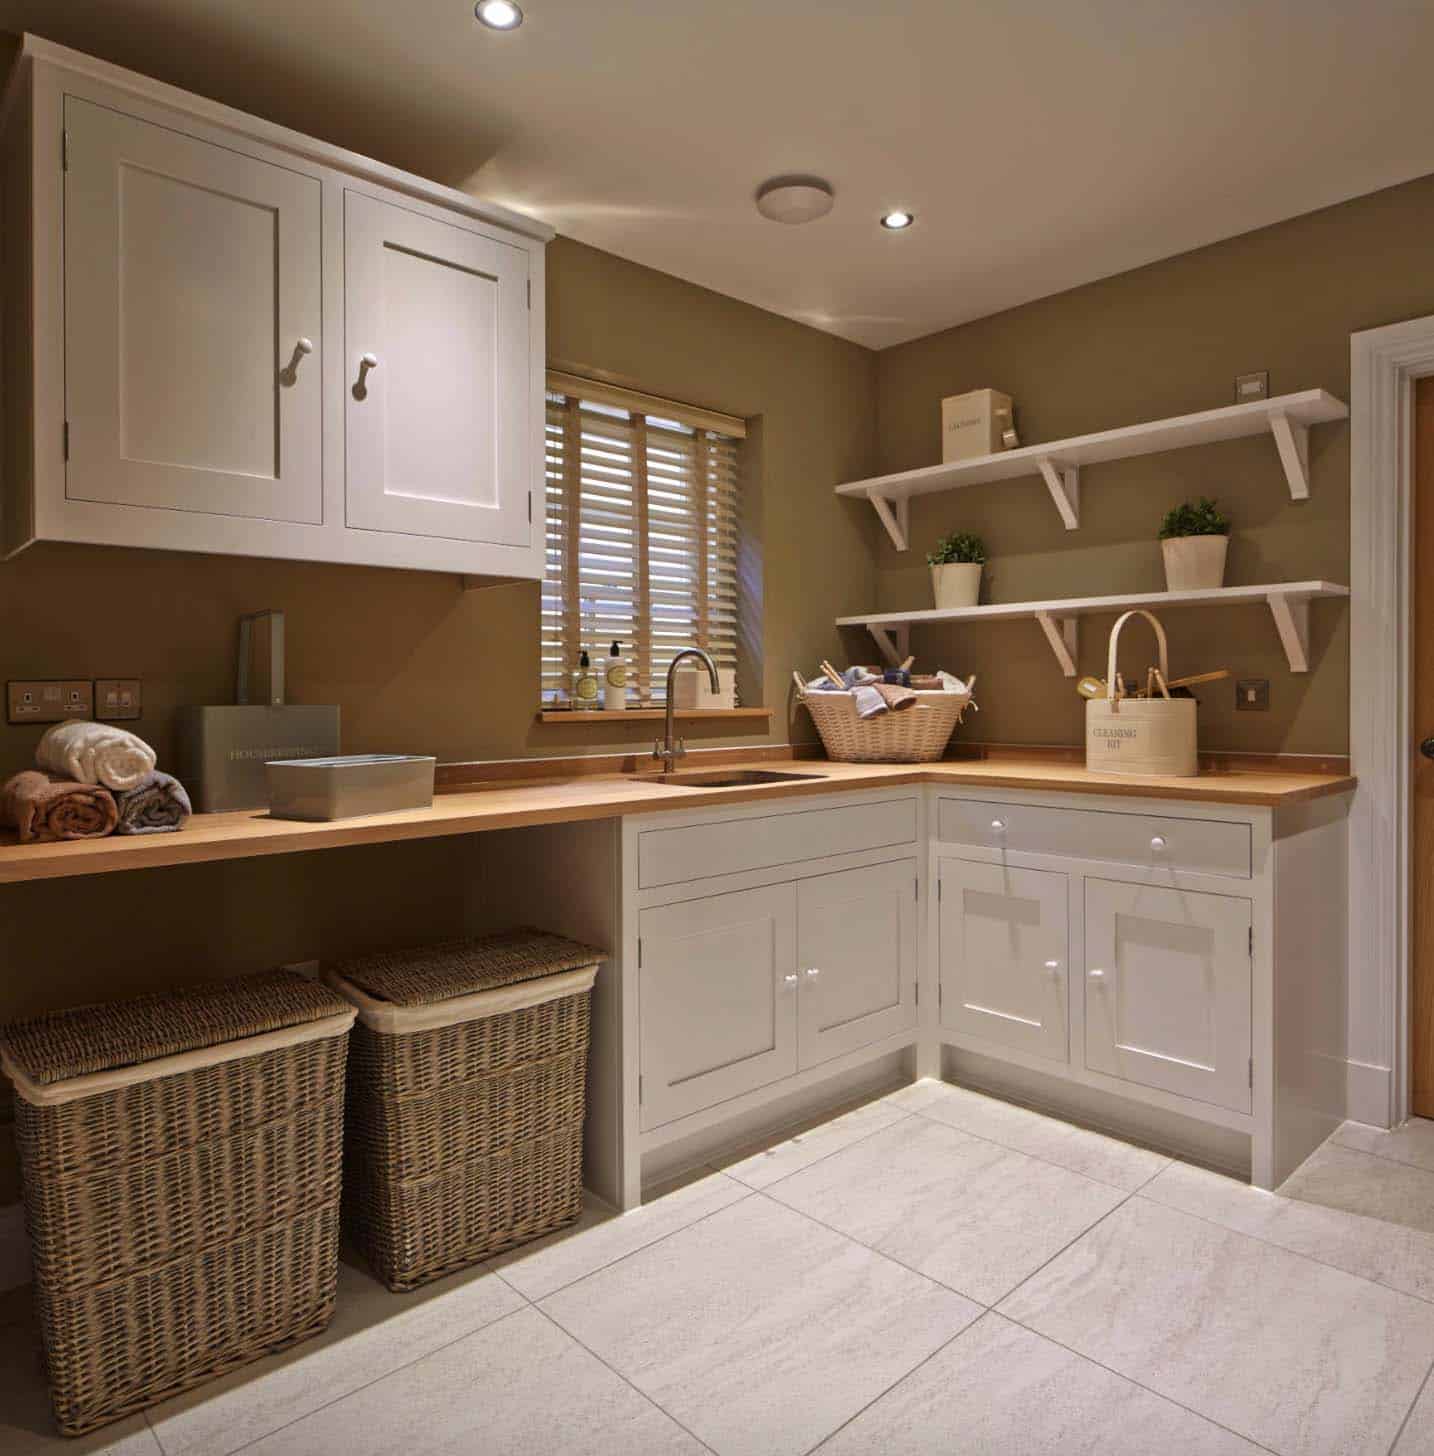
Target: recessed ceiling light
x,y
895,221
795,199
498,14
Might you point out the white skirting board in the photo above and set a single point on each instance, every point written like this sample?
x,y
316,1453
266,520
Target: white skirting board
x,y
14,1247
1369,1094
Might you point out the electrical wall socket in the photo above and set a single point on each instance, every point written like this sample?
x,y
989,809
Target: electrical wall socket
x,y
41,701
1252,386
1252,695
117,698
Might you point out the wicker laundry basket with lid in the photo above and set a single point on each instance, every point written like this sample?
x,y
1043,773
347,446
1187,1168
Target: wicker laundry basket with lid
x,y
181,1155
467,1089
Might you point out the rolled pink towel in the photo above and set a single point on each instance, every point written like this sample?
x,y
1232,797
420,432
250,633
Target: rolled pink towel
x,y
159,805
95,753
43,808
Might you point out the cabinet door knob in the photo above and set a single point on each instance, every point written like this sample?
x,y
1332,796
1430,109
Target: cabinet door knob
x,y
999,825
1158,843
366,362
1097,975
1053,967
290,372
813,972
791,978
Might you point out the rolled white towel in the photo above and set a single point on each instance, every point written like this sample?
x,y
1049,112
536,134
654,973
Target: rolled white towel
x,y
95,753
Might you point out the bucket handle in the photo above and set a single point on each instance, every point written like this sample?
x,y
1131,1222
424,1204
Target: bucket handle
x,y
1114,641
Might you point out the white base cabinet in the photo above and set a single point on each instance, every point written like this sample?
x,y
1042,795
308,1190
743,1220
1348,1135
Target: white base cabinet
x,y
226,337
1174,972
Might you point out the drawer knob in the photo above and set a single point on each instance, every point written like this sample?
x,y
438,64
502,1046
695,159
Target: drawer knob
x,y
1158,843
791,978
1097,975
813,972
1053,967
999,825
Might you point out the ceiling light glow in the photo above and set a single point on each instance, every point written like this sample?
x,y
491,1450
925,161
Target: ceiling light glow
x,y
895,221
498,14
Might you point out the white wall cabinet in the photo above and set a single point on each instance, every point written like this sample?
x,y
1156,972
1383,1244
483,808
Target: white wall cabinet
x,y
1004,955
1167,990
194,292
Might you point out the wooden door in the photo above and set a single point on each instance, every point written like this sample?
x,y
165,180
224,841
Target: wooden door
x,y
1168,986
440,437
717,999
191,275
1004,936
856,952
1422,858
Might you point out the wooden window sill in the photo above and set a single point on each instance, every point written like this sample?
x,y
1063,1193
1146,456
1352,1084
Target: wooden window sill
x,y
646,715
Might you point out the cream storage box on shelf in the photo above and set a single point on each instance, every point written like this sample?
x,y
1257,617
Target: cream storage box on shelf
x,y
972,424
224,336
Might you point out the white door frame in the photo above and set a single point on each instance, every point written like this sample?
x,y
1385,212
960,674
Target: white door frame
x,y
1384,362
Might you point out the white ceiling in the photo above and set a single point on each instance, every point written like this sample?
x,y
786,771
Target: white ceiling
x,y
1041,143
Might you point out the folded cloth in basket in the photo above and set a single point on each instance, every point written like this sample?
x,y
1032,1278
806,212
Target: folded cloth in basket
x,y
861,684
95,753
160,805
43,808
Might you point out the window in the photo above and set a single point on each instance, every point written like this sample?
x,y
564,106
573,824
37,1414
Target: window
x,y
642,534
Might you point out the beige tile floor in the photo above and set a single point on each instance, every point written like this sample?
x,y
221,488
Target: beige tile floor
x,y
932,1273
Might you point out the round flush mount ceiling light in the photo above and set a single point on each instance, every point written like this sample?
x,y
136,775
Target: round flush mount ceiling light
x,y
896,221
498,14
795,199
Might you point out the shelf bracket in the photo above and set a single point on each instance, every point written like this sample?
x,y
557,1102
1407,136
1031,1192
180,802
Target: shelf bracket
x,y
1063,482
1293,442
1292,622
1063,636
893,649
896,517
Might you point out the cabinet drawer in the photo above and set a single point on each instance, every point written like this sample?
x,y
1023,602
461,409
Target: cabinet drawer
x,y
672,856
1204,846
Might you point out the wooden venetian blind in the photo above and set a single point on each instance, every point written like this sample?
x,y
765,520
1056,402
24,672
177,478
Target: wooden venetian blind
x,y
642,532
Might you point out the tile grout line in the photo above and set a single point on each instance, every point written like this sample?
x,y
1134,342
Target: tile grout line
x,y
855,1142
1138,1384
1284,1248
563,1330
900,1380
1399,1434
1333,1141
367,1385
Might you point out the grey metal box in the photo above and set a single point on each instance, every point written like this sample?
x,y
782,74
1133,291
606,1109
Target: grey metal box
x,y
223,750
342,788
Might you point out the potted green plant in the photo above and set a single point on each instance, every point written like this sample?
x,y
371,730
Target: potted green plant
x,y
1193,539
956,569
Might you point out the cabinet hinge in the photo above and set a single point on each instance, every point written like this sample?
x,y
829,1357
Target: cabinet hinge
x,y
1252,1074
918,993
530,293
916,889
64,151
67,439
639,953
639,1089
1252,942
938,889
530,508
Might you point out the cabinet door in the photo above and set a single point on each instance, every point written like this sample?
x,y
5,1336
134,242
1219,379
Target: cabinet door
x,y
717,999
1168,990
856,951
1004,936
441,436
191,275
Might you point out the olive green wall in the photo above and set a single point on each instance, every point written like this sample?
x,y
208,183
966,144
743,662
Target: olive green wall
x,y
1163,340
420,665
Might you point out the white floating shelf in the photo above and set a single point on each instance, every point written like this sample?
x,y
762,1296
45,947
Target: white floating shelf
x,y
1287,418
1288,602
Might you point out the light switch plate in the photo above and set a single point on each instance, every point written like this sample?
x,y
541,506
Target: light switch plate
x,y
44,701
117,698
1252,695
1252,386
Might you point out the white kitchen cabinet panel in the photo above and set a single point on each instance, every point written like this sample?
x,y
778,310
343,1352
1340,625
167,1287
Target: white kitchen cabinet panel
x,y
717,999
1004,952
440,434
1168,990
193,324
856,952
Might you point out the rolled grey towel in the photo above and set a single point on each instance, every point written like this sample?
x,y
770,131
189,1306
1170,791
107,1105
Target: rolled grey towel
x,y
159,805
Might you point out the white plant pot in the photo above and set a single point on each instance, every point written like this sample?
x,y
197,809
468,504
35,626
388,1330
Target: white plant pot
x,y
957,584
1194,563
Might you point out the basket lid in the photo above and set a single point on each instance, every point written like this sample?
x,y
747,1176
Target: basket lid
x,y
423,974
99,1038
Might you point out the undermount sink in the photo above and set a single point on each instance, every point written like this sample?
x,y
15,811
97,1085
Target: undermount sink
x,y
716,778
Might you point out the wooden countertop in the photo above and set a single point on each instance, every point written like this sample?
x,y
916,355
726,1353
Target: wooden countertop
x,y
250,833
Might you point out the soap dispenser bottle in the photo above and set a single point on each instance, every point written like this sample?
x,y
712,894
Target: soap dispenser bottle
x,y
585,685
614,690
